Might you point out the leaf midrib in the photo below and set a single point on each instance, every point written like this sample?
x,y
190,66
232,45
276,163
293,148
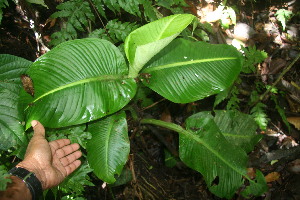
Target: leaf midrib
x,y
88,80
177,64
164,29
107,143
236,135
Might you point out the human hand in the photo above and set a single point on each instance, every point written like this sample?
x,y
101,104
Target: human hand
x,y
52,161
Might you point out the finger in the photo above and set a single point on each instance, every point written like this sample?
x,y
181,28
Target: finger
x,y
65,161
38,128
66,150
72,167
57,144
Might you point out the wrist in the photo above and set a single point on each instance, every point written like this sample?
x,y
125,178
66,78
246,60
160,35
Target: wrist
x,y
32,168
17,189
29,178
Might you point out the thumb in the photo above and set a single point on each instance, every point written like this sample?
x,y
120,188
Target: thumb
x,y
38,129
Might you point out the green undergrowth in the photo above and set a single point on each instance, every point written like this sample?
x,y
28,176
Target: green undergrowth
x,y
102,65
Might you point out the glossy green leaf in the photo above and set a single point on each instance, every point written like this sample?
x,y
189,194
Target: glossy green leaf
x,y
143,43
187,71
205,149
11,128
77,82
109,147
238,128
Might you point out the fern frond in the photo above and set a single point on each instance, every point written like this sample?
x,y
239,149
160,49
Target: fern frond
x,y
99,33
118,31
74,184
77,14
233,102
99,5
131,6
112,5
150,12
63,35
252,58
259,115
175,6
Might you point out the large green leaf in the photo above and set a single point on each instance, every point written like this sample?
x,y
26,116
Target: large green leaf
x,y
205,149
77,82
109,147
143,43
187,71
238,128
11,128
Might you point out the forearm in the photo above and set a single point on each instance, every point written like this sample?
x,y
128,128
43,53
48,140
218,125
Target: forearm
x,y
16,190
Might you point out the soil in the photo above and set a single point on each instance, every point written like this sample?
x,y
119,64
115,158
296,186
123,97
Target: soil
x,y
152,179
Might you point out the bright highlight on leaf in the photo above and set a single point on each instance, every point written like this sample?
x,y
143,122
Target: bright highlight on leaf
x,y
187,71
77,82
143,43
204,148
11,128
109,147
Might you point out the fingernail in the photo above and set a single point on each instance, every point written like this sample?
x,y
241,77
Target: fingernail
x,y
33,123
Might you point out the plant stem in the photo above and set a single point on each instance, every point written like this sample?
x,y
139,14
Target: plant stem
x,y
154,104
168,125
180,130
261,98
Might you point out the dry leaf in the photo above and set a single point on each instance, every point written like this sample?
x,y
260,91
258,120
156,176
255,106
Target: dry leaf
x,y
27,84
166,116
273,176
295,121
251,173
276,65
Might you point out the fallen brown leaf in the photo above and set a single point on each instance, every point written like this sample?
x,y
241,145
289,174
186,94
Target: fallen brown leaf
x,y
251,173
295,121
273,176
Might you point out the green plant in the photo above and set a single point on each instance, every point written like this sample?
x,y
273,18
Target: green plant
x,y
11,123
252,58
78,17
283,16
89,80
116,31
3,4
3,178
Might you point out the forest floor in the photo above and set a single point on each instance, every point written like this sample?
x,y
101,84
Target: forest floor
x,y
277,154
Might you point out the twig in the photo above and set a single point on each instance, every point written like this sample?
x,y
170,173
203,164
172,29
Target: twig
x,y
98,15
261,98
153,104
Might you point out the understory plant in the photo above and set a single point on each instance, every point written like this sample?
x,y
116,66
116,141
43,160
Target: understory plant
x,y
79,17
87,82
